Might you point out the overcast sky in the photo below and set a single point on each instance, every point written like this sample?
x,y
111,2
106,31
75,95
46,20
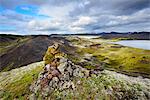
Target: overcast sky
x,y
73,16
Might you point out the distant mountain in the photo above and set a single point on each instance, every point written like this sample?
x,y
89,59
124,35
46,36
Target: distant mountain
x,y
134,35
113,35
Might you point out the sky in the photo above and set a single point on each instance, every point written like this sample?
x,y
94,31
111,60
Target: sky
x,y
73,16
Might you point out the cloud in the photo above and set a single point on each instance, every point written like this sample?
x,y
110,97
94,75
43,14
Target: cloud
x,y
55,11
15,16
58,16
113,7
83,20
45,25
80,24
141,16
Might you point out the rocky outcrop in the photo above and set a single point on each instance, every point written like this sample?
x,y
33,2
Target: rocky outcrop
x,y
58,73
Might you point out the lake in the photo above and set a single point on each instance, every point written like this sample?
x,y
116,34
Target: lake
x,y
143,44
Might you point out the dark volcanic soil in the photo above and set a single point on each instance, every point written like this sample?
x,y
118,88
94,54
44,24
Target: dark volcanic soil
x,y
27,52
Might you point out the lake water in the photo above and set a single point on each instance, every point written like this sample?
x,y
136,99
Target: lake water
x,y
143,44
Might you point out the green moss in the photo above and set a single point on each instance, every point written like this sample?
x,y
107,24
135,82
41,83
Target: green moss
x,y
19,86
118,57
48,58
74,59
97,87
130,59
54,52
89,67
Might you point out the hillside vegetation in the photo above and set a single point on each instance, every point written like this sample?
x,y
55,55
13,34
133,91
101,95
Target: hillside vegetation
x,y
66,78
15,83
80,69
124,59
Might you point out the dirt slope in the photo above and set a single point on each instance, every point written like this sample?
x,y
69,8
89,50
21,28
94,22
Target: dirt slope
x,y
25,52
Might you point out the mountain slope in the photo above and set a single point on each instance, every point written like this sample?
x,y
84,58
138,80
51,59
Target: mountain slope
x,y
15,83
23,51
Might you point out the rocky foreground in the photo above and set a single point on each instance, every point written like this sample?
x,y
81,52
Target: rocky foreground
x,y
62,79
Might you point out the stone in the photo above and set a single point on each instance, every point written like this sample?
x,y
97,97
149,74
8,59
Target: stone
x,y
47,67
78,72
69,70
55,73
32,97
55,81
66,76
67,85
62,67
86,73
49,76
54,64
46,91
44,82
79,82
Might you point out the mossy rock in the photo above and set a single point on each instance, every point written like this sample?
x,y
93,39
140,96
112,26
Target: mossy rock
x,y
53,52
48,58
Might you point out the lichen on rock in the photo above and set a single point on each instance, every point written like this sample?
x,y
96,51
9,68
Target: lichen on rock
x,y
58,73
52,52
